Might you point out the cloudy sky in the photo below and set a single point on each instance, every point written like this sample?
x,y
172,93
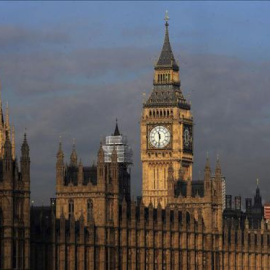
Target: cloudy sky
x,y
70,69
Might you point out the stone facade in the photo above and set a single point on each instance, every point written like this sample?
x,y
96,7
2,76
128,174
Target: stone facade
x,y
14,201
166,110
179,223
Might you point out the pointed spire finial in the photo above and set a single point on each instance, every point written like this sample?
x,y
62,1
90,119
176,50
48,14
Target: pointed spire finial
x,y
60,151
116,131
7,116
25,135
257,182
73,156
166,17
166,58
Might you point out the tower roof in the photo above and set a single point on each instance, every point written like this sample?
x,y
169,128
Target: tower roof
x,y
116,131
166,58
166,90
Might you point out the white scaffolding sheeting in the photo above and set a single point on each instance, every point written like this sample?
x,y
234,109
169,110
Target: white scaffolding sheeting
x,y
124,151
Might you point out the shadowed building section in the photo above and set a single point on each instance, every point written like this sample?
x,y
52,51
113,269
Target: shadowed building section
x,y
14,201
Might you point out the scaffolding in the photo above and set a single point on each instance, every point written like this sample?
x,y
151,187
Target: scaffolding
x,y
120,143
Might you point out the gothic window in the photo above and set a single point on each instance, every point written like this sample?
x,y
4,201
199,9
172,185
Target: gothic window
x,y
89,210
70,208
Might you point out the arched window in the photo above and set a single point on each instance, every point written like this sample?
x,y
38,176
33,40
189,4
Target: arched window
x,y
70,208
89,210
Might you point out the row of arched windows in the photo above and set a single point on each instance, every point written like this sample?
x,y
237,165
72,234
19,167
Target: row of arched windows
x,y
161,113
164,77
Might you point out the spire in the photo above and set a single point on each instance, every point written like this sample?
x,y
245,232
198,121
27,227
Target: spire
x,y
13,142
207,169
166,74
7,147
258,198
218,168
116,131
166,58
100,154
73,156
7,116
25,147
60,153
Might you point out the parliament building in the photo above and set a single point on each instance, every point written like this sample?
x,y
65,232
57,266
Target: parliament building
x,y
93,224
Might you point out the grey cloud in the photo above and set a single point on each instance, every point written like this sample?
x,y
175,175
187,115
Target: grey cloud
x,y
47,72
16,36
89,89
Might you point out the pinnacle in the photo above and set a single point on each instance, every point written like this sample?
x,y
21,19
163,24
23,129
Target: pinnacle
x,y
116,131
166,58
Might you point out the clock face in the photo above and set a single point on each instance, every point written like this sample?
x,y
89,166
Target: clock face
x,y
160,137
187,139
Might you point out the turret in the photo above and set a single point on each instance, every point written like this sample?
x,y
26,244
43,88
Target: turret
x,y
207,177
7,159
25,160
7,118
207,170
100,155
218,170
59,166
73,156
13,142
258,198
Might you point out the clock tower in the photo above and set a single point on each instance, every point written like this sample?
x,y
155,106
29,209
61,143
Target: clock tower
x,y
166,131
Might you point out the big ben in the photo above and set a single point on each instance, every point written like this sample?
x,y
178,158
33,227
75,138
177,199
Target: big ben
x,y
166,131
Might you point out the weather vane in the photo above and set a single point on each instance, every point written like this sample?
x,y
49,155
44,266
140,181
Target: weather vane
x,y
166,16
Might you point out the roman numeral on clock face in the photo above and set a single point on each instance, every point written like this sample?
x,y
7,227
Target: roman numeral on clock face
x,y
159,137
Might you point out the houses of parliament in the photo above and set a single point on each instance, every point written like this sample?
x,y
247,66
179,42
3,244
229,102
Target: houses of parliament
x,y
93,224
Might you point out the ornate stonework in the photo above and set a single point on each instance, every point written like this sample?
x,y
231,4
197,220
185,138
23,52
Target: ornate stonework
x,y
166,108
